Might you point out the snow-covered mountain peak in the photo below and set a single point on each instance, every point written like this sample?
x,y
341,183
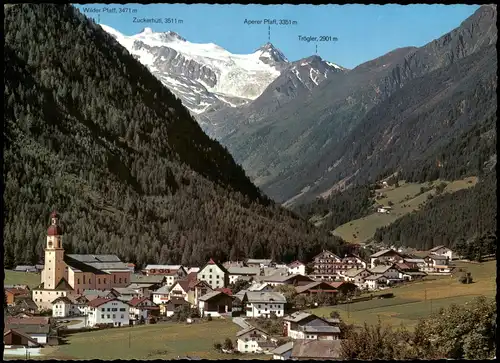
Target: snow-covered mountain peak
x,y
146,30
269,52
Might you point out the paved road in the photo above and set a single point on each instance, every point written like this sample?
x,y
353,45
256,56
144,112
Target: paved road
x,y
241,322
81,323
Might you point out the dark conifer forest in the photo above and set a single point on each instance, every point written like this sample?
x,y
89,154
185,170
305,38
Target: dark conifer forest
x,y
90,132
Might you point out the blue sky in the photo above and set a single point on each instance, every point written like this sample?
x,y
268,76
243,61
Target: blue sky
x,y
364,32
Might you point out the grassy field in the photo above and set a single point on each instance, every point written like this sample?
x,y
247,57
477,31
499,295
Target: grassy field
x,y
405,200
158,341
21,278
419,299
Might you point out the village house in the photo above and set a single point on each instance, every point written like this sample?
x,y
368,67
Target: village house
x,y
415,263
254,340
168,308
144,290
385,257
26,269
37,328
263,304
94,294
261,263
442,251
389,271
197,289
304,325
297,268
260,286
79,305
285,279
69,275
14,293
236,272
193,270
316,350
62,307
171,272
14,338
375,282
24,304
141,309
357,276
160,296
325,265
352,260
179,290
153,281
384,209
283,352
214,274
107,311
344,287
215,303
316,287
125,293
412,275
437,264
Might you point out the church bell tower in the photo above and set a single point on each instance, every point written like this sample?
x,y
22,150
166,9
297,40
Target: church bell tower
x,y
54,268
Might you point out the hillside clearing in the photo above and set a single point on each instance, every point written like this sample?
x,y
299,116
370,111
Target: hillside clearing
x,y
405,199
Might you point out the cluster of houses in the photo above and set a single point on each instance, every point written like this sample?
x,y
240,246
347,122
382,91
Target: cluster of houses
x,y
103,290
306,336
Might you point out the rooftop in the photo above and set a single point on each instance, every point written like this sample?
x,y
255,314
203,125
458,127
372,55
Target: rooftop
x,y
283,348
322,349
256,296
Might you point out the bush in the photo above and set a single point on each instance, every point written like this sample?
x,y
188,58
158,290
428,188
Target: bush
x,y
209,317
228,344
218,346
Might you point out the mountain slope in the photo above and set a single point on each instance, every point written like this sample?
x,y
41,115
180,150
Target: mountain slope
x,y
295,82
88,130
203,76
417,121
291,149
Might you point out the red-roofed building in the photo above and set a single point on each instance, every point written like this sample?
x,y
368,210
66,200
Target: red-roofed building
x,y
225,290
142,308
107,311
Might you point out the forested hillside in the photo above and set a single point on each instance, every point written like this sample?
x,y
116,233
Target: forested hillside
x,y
90,132
340,207
448,219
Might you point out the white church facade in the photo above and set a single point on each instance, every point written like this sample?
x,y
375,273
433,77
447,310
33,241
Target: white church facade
x,y
70,275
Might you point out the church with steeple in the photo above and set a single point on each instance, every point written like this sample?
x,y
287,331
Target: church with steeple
x,y
69,275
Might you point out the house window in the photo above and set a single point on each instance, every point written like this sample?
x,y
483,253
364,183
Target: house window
x,y
99,281
122,309
84,279
120,280
102,316
114,316
209,270
125,279
109,309
108,316
122,316
78,281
